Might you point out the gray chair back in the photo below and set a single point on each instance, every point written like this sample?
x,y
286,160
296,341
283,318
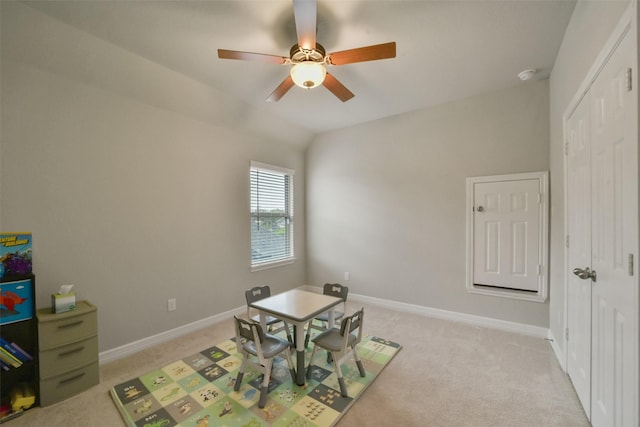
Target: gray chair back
x,y
353,322
257,293
336,290
248,330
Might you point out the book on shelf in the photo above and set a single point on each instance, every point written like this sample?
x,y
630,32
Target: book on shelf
x,y
9,359
4,366
15,350
21,351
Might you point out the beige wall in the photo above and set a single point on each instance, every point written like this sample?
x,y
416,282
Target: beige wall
x,y
132,178
591,24
386,200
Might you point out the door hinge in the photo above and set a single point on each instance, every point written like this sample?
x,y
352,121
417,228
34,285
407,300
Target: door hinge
x,y
566,334
628,80
566,241
566,148
539,270
630,264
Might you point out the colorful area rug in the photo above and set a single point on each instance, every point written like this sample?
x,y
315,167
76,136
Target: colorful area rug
x,y
197,391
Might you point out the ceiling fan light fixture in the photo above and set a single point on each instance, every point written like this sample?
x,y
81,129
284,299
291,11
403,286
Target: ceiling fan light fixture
x,y
308,74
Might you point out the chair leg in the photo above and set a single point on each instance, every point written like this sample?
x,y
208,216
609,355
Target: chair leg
x,y
313,354
343,386
263,396
356,356
286,328
292,369
265,383
236,386
308,335
243,366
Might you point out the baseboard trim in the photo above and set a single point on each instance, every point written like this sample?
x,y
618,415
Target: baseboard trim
x,y
136,346
559,353
487,322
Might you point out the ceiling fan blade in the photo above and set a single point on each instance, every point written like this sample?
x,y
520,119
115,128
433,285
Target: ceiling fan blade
x,y
305,14
281,90
361,54
337,88
248,56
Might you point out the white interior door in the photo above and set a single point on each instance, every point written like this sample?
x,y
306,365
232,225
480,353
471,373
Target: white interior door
x,y
579,253
614,210
507,234
602,216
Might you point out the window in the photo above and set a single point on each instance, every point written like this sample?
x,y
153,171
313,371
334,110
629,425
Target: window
x,y
271,216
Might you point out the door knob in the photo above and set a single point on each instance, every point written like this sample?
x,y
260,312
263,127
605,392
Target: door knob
x,y
585,274
480,209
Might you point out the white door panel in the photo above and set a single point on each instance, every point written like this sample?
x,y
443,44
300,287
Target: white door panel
x,y
579,253
507,252
614,239
602,222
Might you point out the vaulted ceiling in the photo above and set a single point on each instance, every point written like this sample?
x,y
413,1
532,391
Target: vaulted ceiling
x,y
446,50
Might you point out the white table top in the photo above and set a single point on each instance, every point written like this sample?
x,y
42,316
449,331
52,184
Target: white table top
x,y
297,305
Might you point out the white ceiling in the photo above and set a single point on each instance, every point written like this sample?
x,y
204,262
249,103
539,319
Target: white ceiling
x,y
446,50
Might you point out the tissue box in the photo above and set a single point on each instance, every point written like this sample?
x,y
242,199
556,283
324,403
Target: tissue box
x,y
63,302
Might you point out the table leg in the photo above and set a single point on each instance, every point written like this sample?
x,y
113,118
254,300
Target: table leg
x,y
331,324
332,318
299,340
263,321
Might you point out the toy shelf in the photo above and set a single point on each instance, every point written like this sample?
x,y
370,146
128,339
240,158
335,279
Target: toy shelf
x,y
19,382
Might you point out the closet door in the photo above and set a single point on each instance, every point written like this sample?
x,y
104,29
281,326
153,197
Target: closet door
x,y
579,252
603,240
614,237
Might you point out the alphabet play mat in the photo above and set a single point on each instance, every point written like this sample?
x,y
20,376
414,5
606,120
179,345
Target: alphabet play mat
x,y
197,391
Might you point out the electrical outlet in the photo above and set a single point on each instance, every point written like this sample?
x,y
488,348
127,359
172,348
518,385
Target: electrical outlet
x,y
171,304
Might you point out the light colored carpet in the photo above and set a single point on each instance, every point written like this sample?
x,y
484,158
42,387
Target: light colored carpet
x,y
447,374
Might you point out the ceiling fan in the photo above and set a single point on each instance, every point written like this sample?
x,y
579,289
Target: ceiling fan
x,y
308,58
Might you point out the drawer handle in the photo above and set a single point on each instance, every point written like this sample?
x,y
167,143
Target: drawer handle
x,y
69,325
70,352
73,378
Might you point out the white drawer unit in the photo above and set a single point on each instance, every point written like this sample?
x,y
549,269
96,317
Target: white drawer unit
x,y
68,346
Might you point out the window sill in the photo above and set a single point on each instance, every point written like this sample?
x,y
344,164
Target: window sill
x,y
267,265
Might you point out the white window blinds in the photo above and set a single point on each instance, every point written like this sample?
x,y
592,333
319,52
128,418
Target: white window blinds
x,y
271,215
